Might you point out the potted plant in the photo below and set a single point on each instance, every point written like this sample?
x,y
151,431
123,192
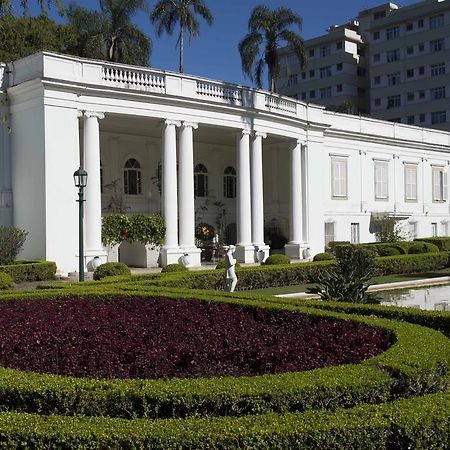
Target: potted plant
x,y
205,233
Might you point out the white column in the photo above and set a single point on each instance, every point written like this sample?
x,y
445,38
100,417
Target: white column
x,y
186,201
257,197
170,253
293,248
244,248
93,204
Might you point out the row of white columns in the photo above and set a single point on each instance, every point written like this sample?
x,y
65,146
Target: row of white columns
x,y
250,201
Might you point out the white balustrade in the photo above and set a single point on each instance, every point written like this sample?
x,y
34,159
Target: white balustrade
x,y
274,102
218,91
134,79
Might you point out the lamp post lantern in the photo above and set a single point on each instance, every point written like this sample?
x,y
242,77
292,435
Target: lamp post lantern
x,y
80,179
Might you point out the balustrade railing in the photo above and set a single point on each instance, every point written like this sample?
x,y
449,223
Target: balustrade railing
x,y
134,79
274,102
217,91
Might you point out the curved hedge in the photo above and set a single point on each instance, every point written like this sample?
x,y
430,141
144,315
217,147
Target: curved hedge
x,y
419,362
418,423
21,271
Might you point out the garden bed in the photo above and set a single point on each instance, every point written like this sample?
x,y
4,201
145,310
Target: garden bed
x,y
162,338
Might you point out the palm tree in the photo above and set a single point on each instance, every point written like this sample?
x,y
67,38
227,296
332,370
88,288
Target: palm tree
x,y
167,13
269,28
6,6
110,33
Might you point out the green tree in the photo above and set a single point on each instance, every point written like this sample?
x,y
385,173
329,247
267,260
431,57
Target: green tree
x,y
167,13
23,36
6,6
268,29
109,34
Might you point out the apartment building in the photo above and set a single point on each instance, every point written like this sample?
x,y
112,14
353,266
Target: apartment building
x,y
335,74
405,74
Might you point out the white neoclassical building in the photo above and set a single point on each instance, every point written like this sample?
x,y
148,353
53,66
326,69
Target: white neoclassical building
x,y
192,148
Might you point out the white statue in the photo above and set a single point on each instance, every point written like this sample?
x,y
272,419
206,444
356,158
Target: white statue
x,y
230,274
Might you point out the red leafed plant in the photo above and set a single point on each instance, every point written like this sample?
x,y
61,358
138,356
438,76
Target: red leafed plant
x,y
160,338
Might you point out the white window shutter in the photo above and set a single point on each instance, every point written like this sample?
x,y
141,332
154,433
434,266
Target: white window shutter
x,y
436,185
445,187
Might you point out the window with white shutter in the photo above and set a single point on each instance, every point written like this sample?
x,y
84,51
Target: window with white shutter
x,y
338,177
381,175
410,182
440,184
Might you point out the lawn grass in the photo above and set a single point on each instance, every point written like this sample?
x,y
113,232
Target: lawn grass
x,y
375,280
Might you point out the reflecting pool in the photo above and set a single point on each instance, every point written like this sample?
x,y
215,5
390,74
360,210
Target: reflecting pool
x,y
433,298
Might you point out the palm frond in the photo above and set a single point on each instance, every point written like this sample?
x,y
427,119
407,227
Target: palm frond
x,y
297,45
249,51
286,18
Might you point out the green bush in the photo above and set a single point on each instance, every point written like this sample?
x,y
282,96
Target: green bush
x,y
111,269
418,361
324,257
391,251
174,268
443,242
416,423
22,271
422,247
273,260
11,242
404,264
221,265
6,281
333,244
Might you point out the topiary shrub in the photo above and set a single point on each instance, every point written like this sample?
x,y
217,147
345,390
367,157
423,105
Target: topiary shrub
x,y
111,269
324,257
174,268
390,251
11,241
6,281
422,247
221,265
273,260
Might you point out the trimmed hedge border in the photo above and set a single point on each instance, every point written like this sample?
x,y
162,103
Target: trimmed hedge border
x,y
420,423
21,271
260,277
419,362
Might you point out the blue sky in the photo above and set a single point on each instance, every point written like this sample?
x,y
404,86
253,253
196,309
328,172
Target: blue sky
x,y
214,54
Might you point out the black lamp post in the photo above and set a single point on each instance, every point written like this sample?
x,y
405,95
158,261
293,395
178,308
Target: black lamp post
x,y
80,179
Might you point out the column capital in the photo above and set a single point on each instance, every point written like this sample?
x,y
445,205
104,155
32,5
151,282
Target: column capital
x,y
192,125
260,134
297,143
174,122
99,115
244,132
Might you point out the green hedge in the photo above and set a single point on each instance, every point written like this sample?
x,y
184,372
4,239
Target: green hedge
x,y
420,424
443,242
405,264
21,271
417,363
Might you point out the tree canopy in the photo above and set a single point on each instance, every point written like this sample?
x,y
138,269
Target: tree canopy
x,y
267,30
23,36
168,13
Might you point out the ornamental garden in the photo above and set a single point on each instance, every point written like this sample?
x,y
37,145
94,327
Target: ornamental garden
x,y
170,361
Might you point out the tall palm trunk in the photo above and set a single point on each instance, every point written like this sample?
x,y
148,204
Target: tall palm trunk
x,y
181,40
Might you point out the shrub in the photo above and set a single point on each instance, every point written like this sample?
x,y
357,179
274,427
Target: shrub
x,y
11,242
6,281
422,247
22,271
390,251
348,280
324,257
276,260
117,228
221,265
174,268
442,242
404,264
111,269
333,244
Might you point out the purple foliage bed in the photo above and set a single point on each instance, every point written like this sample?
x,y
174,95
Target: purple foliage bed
x,y
159,338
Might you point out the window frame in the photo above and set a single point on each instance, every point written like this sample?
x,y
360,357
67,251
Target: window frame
x,y
381,186
439,184
341,182
134,170
229,182
411,195
200,172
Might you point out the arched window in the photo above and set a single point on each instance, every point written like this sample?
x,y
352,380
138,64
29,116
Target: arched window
x,y
132,177
229,182
200,181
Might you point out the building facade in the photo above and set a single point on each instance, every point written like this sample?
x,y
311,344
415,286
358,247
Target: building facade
x,y
154,141
404,75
